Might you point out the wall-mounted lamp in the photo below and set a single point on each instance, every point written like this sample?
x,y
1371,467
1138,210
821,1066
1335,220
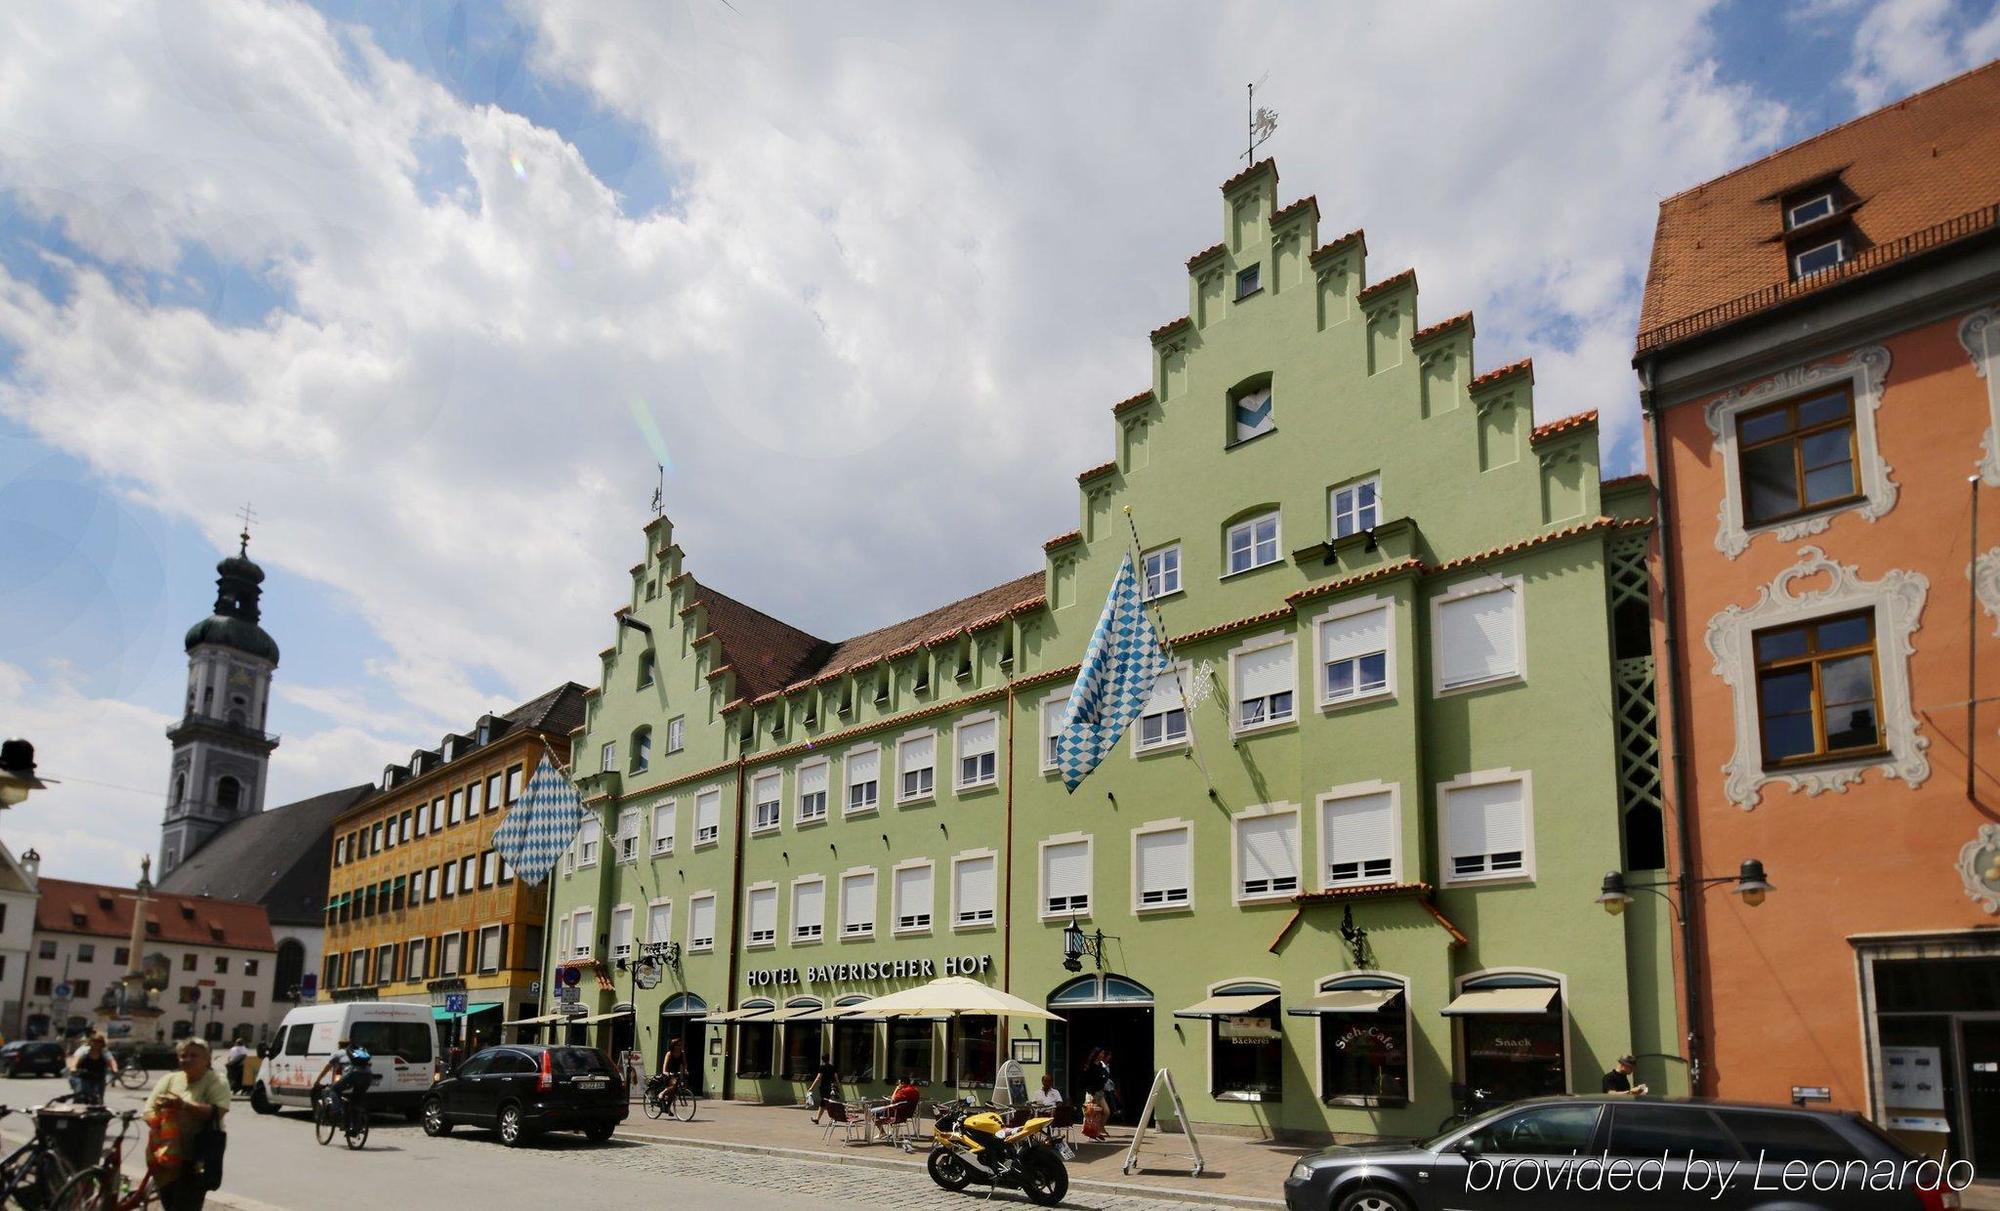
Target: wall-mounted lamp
x,y
1616,894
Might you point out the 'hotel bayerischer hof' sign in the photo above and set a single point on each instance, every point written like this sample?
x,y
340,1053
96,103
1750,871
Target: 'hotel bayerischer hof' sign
x,y
853,973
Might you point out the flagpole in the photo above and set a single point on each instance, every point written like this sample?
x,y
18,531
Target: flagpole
x,y
1167,645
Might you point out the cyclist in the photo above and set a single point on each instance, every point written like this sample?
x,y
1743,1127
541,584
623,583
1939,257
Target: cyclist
x,y
90,1068
350,1067
673,1072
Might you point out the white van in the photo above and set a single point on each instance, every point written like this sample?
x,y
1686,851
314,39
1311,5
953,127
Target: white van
x,y
401,1037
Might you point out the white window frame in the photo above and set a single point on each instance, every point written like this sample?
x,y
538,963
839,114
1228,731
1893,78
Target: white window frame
x,y
992,910
1335,979
799,818
1164,575
416,959
630,945
713,793
1491,582
1841,257
703,946
1487,777
583,929
451,954
1089,841
1334,511
902,767
959,754
628,835
1792,219
1059,701
589,838
847,784
1265,811
896,914
1348,609
1249,646
676,733
750,939
1322,879
758,801
608,758
1186,902
431,877
848,930
1184,670
664,845
666,934
799,938
1276,518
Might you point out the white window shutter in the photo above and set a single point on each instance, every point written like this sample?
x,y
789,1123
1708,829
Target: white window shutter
x,y
920,753
766,788
808,904
861,767
1266,847
701,918
621,928
1166,694
1361,829
1476,637
978,738
1265,672
913,891
1355,635
1163,861
708,810
857,901
1487,819
812,778
1066,869
763,911
976,889
660,923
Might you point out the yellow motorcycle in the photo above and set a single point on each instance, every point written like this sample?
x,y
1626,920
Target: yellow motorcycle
x,y
969,1145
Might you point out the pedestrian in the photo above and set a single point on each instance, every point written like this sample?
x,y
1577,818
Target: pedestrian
x,y
91,1068
232,1064
1095,1111
1619,1079
1111,1102
825,1085
184,1115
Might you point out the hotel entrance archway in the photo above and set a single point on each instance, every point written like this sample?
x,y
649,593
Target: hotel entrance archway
x,y
680,1018
1103,1011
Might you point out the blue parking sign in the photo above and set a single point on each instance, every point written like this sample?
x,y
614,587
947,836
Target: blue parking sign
x,y
454,1002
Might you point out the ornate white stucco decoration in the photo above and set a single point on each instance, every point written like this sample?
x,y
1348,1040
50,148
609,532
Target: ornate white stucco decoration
x,y
1980,334
1985,574
1898,602
1865,369
1979,866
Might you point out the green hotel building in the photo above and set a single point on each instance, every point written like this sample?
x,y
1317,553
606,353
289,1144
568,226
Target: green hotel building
x,y
1345,858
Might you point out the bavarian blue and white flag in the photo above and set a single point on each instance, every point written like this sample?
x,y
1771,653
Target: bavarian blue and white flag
x,y
540,825
1123,661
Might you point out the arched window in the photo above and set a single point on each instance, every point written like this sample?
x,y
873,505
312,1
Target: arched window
x,y
1364,1039
646,668
642,749
289,970
1513,1029
228,792
180,788
1250,409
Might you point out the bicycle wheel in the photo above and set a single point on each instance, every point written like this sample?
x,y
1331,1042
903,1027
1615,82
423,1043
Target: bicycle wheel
x,y
87,1191
133,1075
655,1107
683,1107
323,1121
357,1131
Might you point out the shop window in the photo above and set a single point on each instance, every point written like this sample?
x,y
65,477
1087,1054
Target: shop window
x,y
910,1046
975,1051
1513,1028
754,1043
1364,1041
1247,1050
854,1051
802,1044
1817,693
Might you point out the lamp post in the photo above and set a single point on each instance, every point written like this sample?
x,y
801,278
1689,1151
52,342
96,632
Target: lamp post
x,y
17,772
1078,945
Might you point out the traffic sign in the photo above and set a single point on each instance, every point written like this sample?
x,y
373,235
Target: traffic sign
x,y
62,991
454,1002
535,988
572,976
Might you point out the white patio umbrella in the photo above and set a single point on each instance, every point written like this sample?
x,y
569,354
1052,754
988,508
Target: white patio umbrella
x,y
951,996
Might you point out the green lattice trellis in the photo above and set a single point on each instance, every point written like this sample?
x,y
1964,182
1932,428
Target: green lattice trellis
x,y
1638,733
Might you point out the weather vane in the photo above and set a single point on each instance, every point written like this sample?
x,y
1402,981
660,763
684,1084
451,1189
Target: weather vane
x,y
660,493
1263,123
248,515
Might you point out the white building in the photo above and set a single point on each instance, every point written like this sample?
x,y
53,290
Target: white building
x,y
17,927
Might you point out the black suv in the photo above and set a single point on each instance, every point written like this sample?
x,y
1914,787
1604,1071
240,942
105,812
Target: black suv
x,y
32,1059
523,1089
1660,1154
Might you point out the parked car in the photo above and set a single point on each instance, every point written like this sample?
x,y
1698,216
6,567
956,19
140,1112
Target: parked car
x,y
1665,1154
401,1037
521,1090
32,1059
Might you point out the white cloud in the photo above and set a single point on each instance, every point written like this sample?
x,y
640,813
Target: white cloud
x,y
1902,46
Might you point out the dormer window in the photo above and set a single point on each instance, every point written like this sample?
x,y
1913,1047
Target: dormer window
x,y
1250,410
1249,281
646,668
1818,258
1807,209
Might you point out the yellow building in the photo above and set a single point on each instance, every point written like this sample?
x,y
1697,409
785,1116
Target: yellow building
x,y
420,906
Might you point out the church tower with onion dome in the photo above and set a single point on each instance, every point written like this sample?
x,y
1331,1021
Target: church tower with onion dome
x,y
221,749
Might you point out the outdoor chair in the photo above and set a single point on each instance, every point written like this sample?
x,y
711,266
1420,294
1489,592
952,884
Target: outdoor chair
x,y
1064,1119
838,1118
898,1123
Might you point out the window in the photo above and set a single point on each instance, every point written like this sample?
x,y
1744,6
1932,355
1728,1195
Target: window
x,y
457,811
1358,831
1818,258
857,904
646,663
588,834
46,949
622,920
767,799
863,789
431,883
1065,877
1778,1139
628,836
707,817
663,827
1549,1131
1054,707
44,985
415,954
978,749
812,792
406,833
913,898
1364,1044
660,921
1797,456
1248,281
451,878
475,799
1817,689
1267,855
468,871
1805,210
1487,827
854,1050
489,862
437,814
121,956
357,970
222,965
755,1041
1163,572
973,891
1250,412
642,749
375,837
86,952
1679,1131
701,923
916,763
1266,678
808,910
513,784
584,923
1355,639
761,917
910,1045
385,966
448,954
1251,544
1163,720
79,989
1479,629
1162,865
1354,508
1246,1051
676,733
493,799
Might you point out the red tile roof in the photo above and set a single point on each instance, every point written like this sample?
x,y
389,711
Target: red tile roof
x,y
1525,366
946,620
1924,171
1463,318
1062,540
1204,254
1126,405
1335,245
105,911
1100,469
1250,172
1563,424
1285,212
1408,275
765,654
1169,328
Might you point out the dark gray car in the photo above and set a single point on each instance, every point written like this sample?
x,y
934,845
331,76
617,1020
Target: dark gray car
x,y
1661,1154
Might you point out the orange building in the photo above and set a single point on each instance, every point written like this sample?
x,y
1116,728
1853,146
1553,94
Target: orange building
x,y
1819,354
420,906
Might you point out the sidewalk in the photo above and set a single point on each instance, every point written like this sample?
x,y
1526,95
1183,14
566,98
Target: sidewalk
x,y
1237,1172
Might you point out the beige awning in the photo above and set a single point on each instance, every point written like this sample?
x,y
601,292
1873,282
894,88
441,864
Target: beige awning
x,y
798,1013
1348,1000
854,1013
951,996
1229,1006
595,1018
1479,1001
544,1020
736,1015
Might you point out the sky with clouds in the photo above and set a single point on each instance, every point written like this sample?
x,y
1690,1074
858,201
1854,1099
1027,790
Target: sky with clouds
x,y
435,286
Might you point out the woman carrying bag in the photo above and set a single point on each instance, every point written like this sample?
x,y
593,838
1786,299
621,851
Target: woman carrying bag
x,y
184,1118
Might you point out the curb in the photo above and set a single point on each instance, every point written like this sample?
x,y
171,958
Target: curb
x,y
1093,1185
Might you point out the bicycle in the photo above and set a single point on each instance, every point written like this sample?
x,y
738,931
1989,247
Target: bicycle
x,y
354,1128
1470,1103
132,1072
107,1187
671,1099
36,1171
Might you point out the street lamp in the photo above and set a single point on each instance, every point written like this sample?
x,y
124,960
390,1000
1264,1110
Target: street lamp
x,y
17,772
1078,945
1616,894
